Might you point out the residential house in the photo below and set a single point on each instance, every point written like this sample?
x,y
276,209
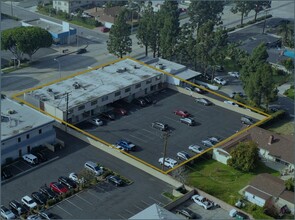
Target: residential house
x,y
69,6
266,188
273,148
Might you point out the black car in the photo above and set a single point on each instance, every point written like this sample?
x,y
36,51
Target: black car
x,y
148,99
17,208
187,213
47,192
47,215
115,180
140,101
82,50
240,215
5,173
39,198
67,182
41,157
107,115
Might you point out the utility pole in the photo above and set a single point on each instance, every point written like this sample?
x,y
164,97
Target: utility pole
x,y
266,10
165,137
67,109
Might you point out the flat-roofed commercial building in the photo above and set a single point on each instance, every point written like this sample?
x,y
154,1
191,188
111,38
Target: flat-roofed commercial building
x,y
79,98
23,128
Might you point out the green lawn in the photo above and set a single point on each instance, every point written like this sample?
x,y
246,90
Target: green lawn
x,y
224,182
284,126
290,92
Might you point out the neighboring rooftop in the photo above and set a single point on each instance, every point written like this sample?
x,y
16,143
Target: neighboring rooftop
x,y
17,118
165,65
95,84
155,212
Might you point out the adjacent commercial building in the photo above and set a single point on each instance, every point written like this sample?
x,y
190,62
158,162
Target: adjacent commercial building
x,y
69,6
23,128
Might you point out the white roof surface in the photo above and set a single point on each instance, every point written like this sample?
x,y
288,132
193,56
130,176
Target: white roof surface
x,y
155,212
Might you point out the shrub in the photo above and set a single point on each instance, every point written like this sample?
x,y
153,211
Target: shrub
x,y
107,173
277,116
50,202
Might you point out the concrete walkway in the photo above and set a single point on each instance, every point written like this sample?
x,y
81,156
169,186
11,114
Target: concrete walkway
x,y
284,87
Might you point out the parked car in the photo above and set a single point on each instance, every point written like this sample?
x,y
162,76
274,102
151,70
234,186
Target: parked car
x,y
96,121
159,125
75,178
33,217
186,213
148,99
121,111
219,68
108,115
183,155
115,180
104,29
29,202
41,156
241,215
67,182
94,168
195,148
202,201
188,121
18,208
203,101
247,120
231,103
47,192
214,140
40,198
81,51
207,143
206,76
182,113
58,187
233,94
140,101
6,213
129,146
220,80
234,74
47,215
200,91
169,162
31,159
5,173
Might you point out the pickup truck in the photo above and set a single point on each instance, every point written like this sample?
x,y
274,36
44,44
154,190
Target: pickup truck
x,y
202,201
126,145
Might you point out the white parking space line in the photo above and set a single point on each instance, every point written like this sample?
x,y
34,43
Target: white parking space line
x,y
148,131
84,200
64,210
73,204
144,202
156,200
140,139
104,191
126,210
94,195
155,134
121,216
147,136
172,119
137,207
17,168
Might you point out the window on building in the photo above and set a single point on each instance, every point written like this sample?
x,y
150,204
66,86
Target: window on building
x,y
117,93
40,131
28,136
81,107
148,81
19,140
94,102
127,89
104,98
138,85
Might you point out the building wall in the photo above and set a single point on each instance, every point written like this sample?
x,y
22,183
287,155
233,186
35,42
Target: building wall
x,y
219,157
61,6
254,199
32,138
70,6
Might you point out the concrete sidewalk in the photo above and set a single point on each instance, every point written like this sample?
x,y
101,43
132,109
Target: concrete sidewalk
x,y
284,87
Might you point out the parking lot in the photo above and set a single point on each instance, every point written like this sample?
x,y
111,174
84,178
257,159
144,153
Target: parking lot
x,y
103,201
136,127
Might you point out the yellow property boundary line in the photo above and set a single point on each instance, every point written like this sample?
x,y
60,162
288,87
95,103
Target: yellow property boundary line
x,y
16,97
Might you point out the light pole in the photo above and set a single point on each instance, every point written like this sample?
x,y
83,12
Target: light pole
x,y
266,10
58,66
165,137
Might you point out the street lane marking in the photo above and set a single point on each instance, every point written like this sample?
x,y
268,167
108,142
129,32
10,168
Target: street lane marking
x,y
74,204
84,200
64,210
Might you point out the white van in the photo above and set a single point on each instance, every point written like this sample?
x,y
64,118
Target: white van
x,y
91,166
31,159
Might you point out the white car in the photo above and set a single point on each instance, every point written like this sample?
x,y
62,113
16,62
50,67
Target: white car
x,y
96,121
214,140
33,217
202,201
183,155
75,178
195,148
234,74
169,162
29,202
231,103
219,80
207,143
6,213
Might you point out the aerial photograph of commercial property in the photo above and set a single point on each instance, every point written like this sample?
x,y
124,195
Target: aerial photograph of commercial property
x,y
147,109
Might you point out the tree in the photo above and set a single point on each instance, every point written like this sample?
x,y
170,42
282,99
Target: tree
x,y
289,183
288,64
244,156
243,7
25,40
287,31
260,6
201,12
119,42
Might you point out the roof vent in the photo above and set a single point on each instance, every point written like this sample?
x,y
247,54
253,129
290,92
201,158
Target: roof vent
x,y
11,111
270,140
121,70
160,66
49,90
136,67
76,85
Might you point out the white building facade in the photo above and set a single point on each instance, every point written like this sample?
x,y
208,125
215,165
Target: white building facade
x,y
69,6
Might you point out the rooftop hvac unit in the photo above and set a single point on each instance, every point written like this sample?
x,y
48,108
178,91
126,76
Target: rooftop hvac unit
x,y
11,111
76,85
160,66
121,70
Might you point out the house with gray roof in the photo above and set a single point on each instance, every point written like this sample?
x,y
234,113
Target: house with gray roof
x,y
23,128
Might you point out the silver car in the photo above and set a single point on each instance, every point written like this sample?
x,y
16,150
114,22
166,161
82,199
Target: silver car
x,y
207,143
183,155
203,101
6,213
195,148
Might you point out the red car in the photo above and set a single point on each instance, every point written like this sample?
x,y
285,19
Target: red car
x,y
58,187
121,111
105,29
181,113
